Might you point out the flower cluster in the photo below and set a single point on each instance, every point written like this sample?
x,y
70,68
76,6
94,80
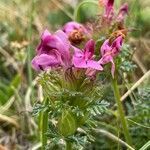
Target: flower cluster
x,y
55,50
61,49
109,14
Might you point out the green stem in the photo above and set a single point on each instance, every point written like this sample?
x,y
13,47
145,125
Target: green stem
x,y
121,111
68,145
44,125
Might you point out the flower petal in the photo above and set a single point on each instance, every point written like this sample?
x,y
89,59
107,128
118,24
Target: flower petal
x,y
45,35
94,65
89,49
78,52
116,45
63,38
58,41
105,59
105,47
70,26
79,62
123,11
110,51
44,61
109,10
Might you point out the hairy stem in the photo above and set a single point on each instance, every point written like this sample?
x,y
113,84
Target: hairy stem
x,y
44,125
121,111
68,145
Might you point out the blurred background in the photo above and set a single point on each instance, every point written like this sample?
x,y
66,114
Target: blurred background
x,y
21,23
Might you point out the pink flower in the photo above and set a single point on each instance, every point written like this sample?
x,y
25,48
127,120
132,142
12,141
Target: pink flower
x,y
123,11
72,26
52,51
76,32
84,59
44,62
109,9
109,51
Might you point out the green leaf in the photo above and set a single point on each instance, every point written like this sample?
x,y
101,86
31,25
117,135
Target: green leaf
x,y
3,97
6,91
145,146
44,123
14,84
77,13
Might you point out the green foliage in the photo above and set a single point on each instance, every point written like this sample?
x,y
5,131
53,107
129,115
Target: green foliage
x,y
147,145
6,91
98,108
70,107
125,59
58,17
140,115
81,14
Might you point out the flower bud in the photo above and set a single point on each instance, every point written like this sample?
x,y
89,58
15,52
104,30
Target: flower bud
x,y
67,124
76,37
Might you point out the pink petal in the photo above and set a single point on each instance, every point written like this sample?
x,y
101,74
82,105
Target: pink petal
x,y
70,26
110,3
79,62
83,59
105,47
44,61
89,49
77,52
63,37
105,59
109,10
116,45
57,43
123,11
44,40
45,35
108,52
94,65
48,42
82,63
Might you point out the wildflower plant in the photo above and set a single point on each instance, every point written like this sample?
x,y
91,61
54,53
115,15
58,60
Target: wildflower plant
x,y
70,63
